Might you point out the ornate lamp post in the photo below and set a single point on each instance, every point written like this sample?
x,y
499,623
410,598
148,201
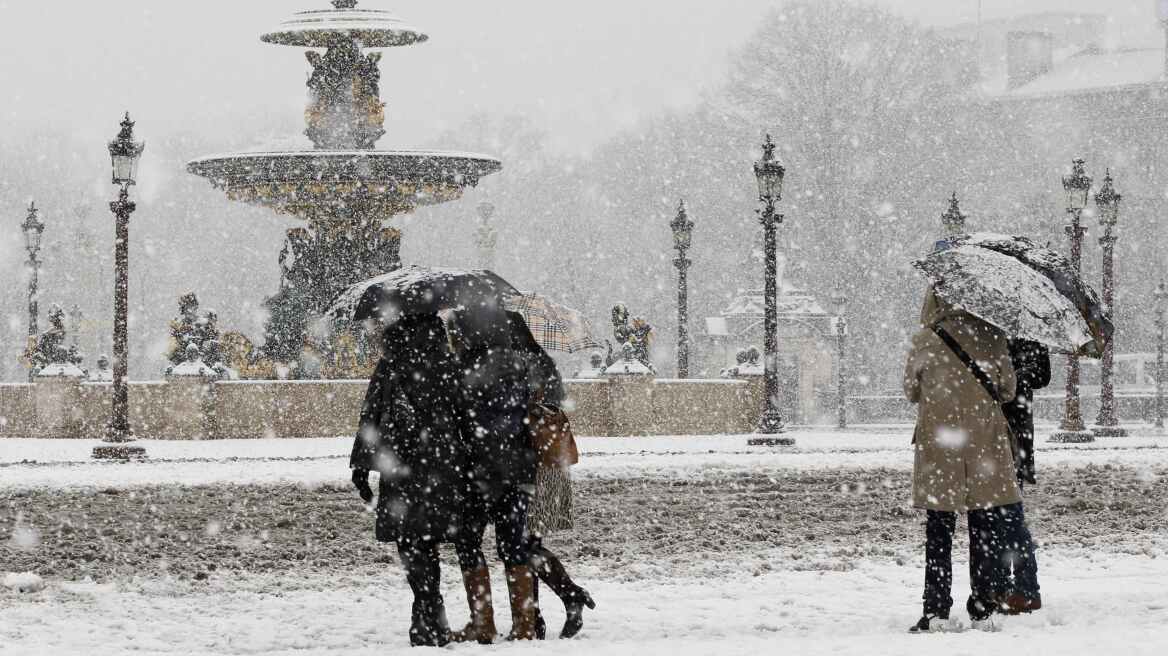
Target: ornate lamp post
x,y
682,237
1160,299
839,302
487,236
124,155
33,229
769,172
1107,425
1077,186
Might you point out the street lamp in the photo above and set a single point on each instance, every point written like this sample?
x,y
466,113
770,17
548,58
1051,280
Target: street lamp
x,y
682,237
1107,201
124,156
33,229
769,173
1160,299
1077,186
839,302
953,221
487,237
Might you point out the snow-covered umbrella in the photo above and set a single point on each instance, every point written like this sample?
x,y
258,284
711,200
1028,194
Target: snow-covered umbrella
x,y
1055,266
422,290
555,327
1007,293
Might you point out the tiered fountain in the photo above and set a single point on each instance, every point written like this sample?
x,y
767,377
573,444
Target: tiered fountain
x,y
344,190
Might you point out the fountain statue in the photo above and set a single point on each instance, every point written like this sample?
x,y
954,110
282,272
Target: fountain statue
x,y
343,190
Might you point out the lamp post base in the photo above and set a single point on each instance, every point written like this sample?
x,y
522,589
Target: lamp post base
x,y
1071,437
115,451
1109,431
771,441
770,423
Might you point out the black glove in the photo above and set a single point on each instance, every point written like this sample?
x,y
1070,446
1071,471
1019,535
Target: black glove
x,y
361,482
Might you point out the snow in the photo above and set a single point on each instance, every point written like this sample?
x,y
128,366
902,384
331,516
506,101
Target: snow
x,y
23,582
815,599
61,370
1095,605
37,463
1097,71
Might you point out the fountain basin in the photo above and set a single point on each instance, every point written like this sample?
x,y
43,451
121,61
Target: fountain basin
x,y
323,28
310,184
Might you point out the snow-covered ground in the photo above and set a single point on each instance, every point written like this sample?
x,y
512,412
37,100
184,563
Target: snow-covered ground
x,y
39,463
691,545
1097,606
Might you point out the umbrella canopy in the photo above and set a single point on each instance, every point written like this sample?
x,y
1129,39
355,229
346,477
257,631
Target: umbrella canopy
x,y
555,327
1058,269
1007,293
421,290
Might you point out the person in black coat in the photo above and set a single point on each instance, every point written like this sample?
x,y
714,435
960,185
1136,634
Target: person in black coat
x,y
1031,362
410,434
501,473
547,388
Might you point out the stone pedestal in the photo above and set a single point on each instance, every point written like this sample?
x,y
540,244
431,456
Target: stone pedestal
x,y
190,408
57,400
631,398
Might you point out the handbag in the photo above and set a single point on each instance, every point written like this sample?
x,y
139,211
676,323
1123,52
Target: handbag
x,y
551,437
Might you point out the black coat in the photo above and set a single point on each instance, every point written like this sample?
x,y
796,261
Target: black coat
x,y
410,434
496,397
1031,362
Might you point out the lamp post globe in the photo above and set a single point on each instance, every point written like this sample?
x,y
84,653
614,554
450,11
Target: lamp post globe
x,y
1107,203
124,156
769,173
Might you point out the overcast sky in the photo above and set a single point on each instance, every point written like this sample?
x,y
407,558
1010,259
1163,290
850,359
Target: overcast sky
x,y
581,70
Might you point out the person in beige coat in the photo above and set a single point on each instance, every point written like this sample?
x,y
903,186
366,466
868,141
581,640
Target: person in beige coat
x,y
963,458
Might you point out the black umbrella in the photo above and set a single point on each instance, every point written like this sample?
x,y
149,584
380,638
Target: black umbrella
x,y
422,290
1058,269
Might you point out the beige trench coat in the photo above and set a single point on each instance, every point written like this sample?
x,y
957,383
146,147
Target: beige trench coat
x,y
963,458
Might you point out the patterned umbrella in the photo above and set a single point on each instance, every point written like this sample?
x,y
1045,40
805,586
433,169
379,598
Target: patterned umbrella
x,y
555,327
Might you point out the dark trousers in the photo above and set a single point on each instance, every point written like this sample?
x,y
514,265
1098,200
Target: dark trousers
x,y
508,514
420,561
999,544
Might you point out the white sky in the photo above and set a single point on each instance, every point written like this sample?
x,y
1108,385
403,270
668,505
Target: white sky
x,y
582,70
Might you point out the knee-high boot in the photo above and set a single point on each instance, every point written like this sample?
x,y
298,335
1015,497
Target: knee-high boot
x,y
428,625
519,587
481,628
551,571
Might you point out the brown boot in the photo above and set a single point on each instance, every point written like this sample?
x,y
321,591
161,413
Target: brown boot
x,y
519,586
481,628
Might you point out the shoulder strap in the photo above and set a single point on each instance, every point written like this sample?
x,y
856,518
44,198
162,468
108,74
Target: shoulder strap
x,y
981,376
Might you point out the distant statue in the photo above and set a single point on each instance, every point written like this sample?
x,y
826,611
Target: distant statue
x,y
103,373
345,110
749,364
50,346
595,367
191,329
637,335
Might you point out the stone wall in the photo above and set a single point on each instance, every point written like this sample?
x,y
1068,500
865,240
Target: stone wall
x,y
1133,407
184,408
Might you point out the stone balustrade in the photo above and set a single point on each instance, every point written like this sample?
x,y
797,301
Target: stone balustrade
x,y
189,408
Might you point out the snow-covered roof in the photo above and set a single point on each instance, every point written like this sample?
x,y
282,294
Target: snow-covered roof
x,y
192,368
61,370
627,368
1092,71
792,302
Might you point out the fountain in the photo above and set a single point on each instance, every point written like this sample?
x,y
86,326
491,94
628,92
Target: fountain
x,y
343,190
